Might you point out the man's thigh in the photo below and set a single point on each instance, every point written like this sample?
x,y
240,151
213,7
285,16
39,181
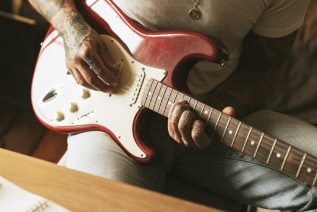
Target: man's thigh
x,y
226,171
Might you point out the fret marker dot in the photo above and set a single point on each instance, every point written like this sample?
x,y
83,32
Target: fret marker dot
x,y
169,103
159,97
278,155
230,132
150,94
309,170
252,143
206,112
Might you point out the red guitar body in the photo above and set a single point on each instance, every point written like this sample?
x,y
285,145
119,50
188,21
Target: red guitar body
x,y
172,51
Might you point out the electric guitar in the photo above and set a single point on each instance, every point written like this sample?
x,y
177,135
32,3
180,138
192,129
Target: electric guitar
x,y
151,79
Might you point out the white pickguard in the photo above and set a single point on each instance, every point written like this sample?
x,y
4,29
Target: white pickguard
x,y
115,112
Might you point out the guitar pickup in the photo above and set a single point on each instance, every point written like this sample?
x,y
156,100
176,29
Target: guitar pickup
x,y
138,85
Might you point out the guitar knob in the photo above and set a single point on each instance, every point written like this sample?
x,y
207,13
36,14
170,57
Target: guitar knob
x,y
73,107
60,116
85,94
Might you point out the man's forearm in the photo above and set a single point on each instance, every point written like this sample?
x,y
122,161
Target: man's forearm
x,y
65,18
48,9
253,83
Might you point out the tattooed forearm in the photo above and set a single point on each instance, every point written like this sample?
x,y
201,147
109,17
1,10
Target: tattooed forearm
x,y
65,18
48,8
71,26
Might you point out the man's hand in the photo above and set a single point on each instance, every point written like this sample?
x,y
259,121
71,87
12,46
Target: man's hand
x,y
87,58
90,64
185,127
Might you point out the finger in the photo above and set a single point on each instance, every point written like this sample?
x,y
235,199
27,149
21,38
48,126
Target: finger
x,y
80,79
106,57
199,134
173,120
185,127
229,111
102,71
92,79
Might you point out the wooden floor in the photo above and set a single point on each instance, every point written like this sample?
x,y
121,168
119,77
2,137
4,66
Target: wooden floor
x,y
21,132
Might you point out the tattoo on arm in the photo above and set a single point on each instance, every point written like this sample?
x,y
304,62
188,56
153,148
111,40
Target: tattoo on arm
x,y
72,27
48,8
64,16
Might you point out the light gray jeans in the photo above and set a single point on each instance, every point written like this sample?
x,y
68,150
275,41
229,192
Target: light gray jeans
x,y
216,168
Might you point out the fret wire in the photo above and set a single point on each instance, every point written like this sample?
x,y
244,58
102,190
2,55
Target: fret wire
x,y
215,127
153,86
153,96
315,180
147,90
257,148
195,105
182,96
162,98
172,102
202,110
272,148
235,135
158,95
246,140
300,165
286,155
168,99
224,132
210,112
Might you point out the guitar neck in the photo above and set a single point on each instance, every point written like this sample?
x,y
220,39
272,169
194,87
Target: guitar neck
x,y
231,132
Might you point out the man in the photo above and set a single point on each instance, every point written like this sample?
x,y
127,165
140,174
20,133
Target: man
x,y
258,34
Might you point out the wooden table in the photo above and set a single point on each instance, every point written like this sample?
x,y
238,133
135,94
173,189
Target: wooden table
x,y
83,192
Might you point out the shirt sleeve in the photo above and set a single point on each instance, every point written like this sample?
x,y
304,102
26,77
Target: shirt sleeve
x,y
281,18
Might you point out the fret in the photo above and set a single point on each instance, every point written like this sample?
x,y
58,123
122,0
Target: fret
x,y
199,107
159,98
215,127
301,165
270,155
165,100
210,112
202,110
246,140
172,100
182,98
146,91
278,155
187,99
286,155
235,134
195,105
154,95
150,93
224,132
257,148
205,112
315,180
308,170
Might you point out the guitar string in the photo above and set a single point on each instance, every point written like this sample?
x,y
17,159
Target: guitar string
x,y
255,134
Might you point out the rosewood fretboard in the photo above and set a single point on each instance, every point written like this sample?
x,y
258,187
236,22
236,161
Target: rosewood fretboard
x,y
233,133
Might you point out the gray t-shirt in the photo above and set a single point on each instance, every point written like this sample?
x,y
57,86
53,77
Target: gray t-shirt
x,y
227,20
